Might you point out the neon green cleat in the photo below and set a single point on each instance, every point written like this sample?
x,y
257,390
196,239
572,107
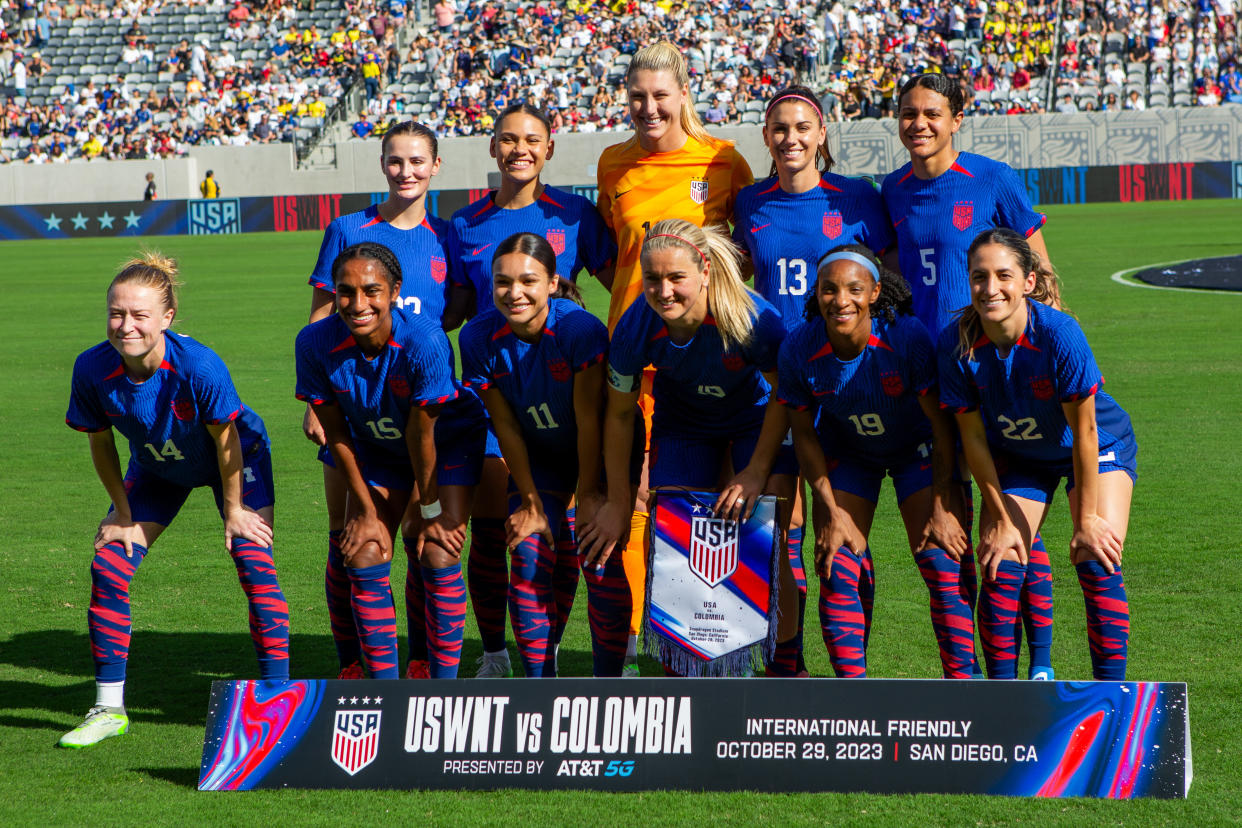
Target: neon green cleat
x,y
630,668
100,723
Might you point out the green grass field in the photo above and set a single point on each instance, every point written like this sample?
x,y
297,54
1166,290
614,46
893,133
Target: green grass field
x,y
1172,359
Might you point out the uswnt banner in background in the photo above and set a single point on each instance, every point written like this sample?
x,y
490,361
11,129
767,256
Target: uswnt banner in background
x,y
1017,738
709,584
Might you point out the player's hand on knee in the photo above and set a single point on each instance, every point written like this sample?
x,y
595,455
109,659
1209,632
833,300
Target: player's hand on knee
x,y
1095,538
126,533
599,538
361,531
248,524
1001,542
528,519
945,531
446,532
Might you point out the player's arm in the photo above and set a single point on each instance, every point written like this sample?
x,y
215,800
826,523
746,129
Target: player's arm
x,y
436,525
840,531
611,522
119,524
460,300
528,519
365,526
944,525
322,304
239,522
1092,534
747,484
588,394
999,536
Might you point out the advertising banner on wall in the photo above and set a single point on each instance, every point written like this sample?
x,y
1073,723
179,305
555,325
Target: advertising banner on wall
x,y
1053,739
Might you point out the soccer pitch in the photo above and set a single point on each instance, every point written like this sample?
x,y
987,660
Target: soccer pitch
x,y
1172,359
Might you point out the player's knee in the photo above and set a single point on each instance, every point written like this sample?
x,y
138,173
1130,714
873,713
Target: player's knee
x,y
369,555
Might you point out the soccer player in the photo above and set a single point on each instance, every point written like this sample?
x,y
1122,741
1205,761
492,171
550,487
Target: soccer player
x,y
670,168
379,378
536,359
409,159
859,378
788,221
714,346
1025,387
938,203
521,144
173,399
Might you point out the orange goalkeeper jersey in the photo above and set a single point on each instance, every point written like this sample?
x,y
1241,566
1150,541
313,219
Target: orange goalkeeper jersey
x,y
638,188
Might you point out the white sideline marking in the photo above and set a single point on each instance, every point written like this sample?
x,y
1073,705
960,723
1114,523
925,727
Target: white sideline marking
x,y
1120,278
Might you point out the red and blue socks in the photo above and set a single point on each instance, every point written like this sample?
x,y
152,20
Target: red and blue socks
x,y
487,573
445,592
845,601
415,602
565,577
269,613
375,618
952,615
1000,620
340,611
1037,611
609,609
1108,619
532,603
108,618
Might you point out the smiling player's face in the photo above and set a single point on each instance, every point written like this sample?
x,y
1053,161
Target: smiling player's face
x,y
845,293
998,287
675,284
409,165
364,299
137,319
655,100
793,133
521,147
521,289
926,124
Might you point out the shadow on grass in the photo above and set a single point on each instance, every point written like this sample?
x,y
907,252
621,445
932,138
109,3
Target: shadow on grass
x,y
181,777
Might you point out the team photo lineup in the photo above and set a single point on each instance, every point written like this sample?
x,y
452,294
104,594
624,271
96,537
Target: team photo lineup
x,y
913,330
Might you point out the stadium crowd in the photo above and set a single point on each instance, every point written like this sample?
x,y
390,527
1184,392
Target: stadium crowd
x,y
470,58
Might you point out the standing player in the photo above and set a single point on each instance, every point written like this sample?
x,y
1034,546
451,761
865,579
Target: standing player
x,y
521,144
536,359
173,399
379,379
1026,390
859,377
714,345
409,158
670,168
775,221
938,203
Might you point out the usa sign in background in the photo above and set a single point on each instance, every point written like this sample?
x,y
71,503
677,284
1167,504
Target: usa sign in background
x,y
1098,739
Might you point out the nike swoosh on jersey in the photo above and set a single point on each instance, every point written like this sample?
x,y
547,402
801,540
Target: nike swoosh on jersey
x,y
621,193
479,250
760,227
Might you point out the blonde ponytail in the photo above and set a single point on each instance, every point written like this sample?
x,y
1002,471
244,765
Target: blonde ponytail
x,y
729,301
154,270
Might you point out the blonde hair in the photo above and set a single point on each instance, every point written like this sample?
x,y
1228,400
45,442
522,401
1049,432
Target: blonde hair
x,y
154,270
1047,288
729,301
665,57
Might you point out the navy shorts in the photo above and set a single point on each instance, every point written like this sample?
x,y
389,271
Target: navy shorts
x,y
1022,478
695,460
153,499
863,479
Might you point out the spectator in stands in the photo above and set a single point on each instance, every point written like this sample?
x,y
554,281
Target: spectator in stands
x,y
363,128
1134,102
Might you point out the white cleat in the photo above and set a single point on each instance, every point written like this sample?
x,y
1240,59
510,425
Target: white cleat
x,y
100,723
495,665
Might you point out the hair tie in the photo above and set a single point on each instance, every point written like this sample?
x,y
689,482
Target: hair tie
x,y
850,256
795,96
683,240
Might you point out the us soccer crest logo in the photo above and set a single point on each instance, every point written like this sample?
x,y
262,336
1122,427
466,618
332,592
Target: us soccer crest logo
x,y
892,384
698,190
399,386
559,369
963,214
439,269
1042,388
355,739
832,224
713,548
556,238
183,409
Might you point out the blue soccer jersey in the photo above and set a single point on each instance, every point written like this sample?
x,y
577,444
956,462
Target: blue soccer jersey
x,y
376,395
787,233
936,220
422,253
165,417
1019,394
866,408
700,388
569,222
537,380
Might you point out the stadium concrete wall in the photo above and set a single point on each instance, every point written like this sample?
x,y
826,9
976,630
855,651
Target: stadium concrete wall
x,y
1192,135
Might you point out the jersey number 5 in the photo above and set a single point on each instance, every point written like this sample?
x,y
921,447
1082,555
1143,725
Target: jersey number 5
x,y
929,264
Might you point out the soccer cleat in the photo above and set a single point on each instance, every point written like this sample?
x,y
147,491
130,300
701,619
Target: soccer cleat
x,y
630,668
1042,674
494,666
100,723
418,670
353,671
